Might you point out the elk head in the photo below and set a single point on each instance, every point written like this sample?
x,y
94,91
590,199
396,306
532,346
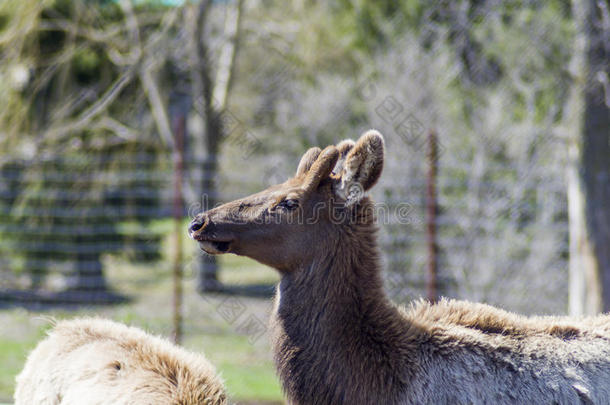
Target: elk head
x,y
287,225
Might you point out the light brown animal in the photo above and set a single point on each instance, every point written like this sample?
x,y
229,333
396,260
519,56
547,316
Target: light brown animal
x,y
339,340
100,362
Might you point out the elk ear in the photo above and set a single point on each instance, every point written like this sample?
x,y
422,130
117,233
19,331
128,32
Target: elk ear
x,y
321,168
362,167
343,147
308,160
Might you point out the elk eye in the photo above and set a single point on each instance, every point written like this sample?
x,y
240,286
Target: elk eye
x,y
289,204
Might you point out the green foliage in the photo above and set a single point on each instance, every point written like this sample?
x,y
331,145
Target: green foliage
x,y
374,24
491,75
66,206
87,65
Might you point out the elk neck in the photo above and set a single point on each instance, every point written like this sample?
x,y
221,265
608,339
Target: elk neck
x,y
333,313
344,276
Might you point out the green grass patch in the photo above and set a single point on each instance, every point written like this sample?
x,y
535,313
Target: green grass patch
x,y
13,353
251,381
247,373
13,357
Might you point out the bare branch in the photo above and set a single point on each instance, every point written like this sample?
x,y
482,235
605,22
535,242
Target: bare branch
x,y
226,62
55,133
112,33
199,67
157,106
117,128
134,33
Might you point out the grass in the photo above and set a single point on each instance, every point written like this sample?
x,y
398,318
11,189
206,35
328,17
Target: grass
x,y
242,358
15,343
13,353
247,374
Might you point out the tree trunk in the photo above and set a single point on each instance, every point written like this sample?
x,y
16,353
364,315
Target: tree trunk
x,y
214,95
589,167
208,266
88,274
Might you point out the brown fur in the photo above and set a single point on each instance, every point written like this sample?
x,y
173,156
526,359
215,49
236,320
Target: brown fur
x,y
338,339
308,160
98,362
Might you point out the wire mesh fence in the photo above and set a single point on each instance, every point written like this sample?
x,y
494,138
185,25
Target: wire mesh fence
x,y
61,214
501,233
502,228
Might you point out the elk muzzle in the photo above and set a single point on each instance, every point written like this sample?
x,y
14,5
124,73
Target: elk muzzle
x,y
203,230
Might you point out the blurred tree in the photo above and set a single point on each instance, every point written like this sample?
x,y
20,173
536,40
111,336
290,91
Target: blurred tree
x,y
589,170
100,69
81,176
211,84
489,76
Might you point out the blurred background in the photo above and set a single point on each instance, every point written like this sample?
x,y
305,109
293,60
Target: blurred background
x,y
120,120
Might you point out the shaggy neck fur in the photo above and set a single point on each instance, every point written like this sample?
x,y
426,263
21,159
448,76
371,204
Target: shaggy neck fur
x,y
338,339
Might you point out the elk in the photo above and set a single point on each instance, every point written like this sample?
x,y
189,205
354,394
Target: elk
x,y
93,361
337,338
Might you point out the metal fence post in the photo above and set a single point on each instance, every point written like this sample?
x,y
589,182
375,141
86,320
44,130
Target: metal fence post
x,y
432,155
178,155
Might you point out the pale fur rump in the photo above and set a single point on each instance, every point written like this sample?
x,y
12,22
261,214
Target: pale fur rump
x,y
95,361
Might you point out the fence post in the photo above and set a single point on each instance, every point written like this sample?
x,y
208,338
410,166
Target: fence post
x,y
178,157
431,210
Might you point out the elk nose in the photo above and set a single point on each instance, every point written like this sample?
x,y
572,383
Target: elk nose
x,y
197,224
